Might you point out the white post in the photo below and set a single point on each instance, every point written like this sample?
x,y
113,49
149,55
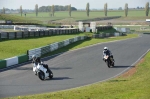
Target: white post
x,y
81,28
93,26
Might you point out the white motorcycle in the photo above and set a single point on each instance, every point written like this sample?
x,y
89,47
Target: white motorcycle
x,y
42,72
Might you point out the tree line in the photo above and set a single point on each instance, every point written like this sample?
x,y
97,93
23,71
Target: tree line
x,y
68,8
56,7
125,9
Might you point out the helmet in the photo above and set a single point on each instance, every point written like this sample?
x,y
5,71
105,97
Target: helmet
x,y
106,48
33,56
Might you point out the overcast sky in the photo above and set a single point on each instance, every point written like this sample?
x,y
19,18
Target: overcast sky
x,y
79,4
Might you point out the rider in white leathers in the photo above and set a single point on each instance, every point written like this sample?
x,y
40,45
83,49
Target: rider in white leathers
x,y
37,60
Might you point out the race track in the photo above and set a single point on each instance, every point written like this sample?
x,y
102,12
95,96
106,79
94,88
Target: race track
x,y
74,68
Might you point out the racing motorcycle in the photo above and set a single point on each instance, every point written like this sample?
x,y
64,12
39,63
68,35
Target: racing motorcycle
x,y
42,72
109,61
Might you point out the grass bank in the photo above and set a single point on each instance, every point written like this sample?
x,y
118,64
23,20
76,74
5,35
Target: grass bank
x,y
134,84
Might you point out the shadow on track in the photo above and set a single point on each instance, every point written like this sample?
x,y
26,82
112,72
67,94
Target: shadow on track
x,y
30,68
23,68
60,68
122,66
60,78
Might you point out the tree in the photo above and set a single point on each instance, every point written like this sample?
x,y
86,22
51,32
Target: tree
x,y
147,8
105,9
69,8
3,10
52,9
126,9
87,9
36,9
120,8
21,10
57,8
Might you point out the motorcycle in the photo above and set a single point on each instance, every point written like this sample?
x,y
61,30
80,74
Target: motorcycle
x,y
42,72
109,61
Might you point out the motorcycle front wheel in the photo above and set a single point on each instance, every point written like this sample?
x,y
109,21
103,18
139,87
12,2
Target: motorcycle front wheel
x,y
107,62
41,75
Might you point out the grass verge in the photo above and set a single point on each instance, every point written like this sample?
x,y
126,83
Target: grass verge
x,y
135,84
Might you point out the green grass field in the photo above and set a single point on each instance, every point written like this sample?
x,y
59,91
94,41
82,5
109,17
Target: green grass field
x,y
16,18
134,16
81,15
135,84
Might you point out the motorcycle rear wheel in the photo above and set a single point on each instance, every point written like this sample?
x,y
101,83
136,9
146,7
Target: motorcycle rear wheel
x,y
50,74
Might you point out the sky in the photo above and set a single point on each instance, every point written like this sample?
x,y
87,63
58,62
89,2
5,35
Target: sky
x,y
79,4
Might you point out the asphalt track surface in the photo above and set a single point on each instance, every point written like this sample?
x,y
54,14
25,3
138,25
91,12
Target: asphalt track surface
x,y
74,68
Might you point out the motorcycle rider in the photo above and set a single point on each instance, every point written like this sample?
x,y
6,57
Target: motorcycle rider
x,y
106,51
37,60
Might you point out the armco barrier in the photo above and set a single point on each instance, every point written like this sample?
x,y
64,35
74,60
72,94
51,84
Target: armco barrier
x,y
49,48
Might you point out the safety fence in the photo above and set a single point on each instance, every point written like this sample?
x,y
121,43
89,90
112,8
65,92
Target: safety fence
x,y
38,52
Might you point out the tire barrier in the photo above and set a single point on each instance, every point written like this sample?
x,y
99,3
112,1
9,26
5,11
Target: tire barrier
x,y
54,46
103,35
26,34
101,28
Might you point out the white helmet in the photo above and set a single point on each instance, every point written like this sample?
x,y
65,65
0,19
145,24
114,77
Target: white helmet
x,y
33,56
105,48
